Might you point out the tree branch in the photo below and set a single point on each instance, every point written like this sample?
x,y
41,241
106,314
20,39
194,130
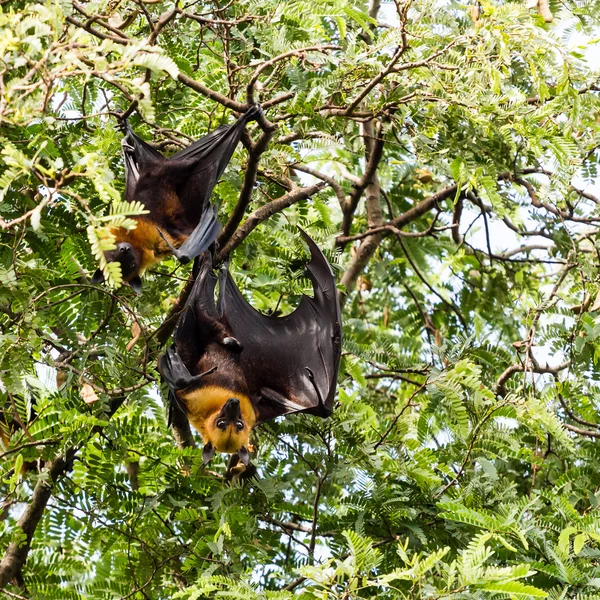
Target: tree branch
x,y
362,257
212,94
374,146
266,211
337,188
16,553
237,215
500,386
300,52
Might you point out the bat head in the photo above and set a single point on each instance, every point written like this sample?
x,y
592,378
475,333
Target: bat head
x,y
129,257
223,418
228,430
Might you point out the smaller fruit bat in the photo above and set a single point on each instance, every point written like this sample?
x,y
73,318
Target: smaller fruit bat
x,y
176,192
232,368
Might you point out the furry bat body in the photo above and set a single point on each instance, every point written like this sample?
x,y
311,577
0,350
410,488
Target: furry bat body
x,y
232,368
176,192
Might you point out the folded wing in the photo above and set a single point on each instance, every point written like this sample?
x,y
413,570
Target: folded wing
x,y
193,173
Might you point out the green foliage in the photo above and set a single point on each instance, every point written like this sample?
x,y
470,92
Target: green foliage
x,y
461,461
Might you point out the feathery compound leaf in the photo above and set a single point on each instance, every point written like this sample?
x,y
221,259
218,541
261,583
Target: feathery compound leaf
x,y
515,589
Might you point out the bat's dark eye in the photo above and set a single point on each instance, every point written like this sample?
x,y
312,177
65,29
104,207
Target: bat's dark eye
x,y
239,425
221,423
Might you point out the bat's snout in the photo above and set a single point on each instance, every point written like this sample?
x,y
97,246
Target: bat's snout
x,y
232,409
124,248
125,255
230,413
230,416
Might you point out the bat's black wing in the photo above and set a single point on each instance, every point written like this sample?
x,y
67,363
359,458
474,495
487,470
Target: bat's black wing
x,y
204,162
291,363
138,156
171,365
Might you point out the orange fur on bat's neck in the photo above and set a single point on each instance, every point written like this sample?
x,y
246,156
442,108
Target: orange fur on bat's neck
x,y
146,238
205,403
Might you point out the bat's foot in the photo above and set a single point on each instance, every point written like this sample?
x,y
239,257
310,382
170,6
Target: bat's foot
x,y
232,344
183,258
239,470
123,124
254,113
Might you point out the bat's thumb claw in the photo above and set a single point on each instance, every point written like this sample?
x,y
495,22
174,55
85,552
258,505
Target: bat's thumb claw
x,y
123,124
232,344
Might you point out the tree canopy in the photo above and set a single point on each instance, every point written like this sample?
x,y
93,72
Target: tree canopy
x,y
443,155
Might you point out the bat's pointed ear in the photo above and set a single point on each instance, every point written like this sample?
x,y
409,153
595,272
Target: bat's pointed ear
x,y
136,284
97,277
244,455
208,452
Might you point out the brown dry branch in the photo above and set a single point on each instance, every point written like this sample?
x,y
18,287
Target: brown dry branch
x,y
361,259
575,417
389,228
298,52
500,386
530,361
256,150
563,215
374,152
335,186
91,19
162,22
212,94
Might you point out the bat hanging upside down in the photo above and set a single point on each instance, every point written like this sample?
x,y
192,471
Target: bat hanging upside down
x,y
176,192
232,368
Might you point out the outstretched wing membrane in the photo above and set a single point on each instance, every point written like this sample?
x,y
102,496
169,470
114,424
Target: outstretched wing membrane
x,y
291,363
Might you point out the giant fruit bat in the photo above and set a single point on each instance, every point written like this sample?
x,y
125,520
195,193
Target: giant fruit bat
x,y
176,192
231,368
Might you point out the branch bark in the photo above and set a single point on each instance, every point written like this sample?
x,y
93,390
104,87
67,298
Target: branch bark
x,y
245,197
300,52
16,553
374,150
500,386
266,211
368,247
212,94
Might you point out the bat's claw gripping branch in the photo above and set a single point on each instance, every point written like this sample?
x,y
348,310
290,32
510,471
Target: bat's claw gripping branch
x,y
254,113
123,124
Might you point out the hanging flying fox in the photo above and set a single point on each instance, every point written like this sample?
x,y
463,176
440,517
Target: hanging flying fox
x,y
176,192
232,368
